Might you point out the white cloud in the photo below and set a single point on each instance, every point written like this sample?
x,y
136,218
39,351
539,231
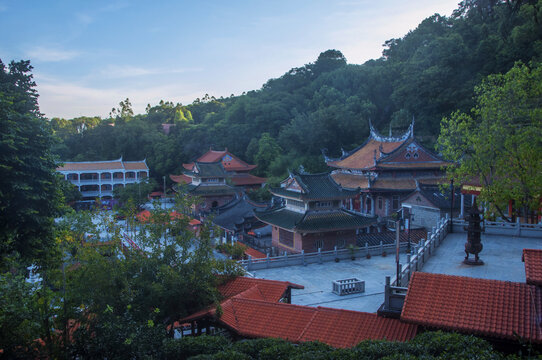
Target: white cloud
x,y
50,54
128,71
69,99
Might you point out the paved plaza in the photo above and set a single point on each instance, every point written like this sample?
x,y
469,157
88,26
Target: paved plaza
x,y
501,255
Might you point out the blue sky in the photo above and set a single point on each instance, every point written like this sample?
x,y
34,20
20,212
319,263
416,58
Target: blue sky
x,y
89,55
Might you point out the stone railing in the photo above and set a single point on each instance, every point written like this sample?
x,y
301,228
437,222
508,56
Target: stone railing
x,y
504,228
318,257
421,252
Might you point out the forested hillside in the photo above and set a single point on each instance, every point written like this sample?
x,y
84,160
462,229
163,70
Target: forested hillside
x,y
425,75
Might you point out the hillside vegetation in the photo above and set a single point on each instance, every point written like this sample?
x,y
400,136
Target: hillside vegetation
x,y
425,75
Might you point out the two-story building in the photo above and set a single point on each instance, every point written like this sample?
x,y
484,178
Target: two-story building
x,y
312,215
97,179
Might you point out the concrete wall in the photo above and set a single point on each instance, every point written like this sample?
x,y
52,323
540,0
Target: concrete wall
x,y
425,216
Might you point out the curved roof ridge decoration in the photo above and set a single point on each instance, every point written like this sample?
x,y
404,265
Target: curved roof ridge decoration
x,y
375,135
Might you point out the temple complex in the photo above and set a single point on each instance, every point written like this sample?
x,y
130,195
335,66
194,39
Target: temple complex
x,y
386,169
237,170
311,215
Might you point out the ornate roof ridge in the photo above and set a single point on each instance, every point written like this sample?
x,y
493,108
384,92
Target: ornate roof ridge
x,y
375,135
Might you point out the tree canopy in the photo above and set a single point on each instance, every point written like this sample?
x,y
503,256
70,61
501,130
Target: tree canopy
x,y
499,143
29,197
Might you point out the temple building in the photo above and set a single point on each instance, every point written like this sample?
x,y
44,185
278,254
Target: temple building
x,y
312,216
97,179
207,181
386,169
236,169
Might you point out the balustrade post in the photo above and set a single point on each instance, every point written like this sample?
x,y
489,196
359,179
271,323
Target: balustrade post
x,y
303,257
320,255
267,261
249,262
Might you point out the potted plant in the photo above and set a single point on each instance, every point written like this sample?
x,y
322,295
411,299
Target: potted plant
x,y
352,248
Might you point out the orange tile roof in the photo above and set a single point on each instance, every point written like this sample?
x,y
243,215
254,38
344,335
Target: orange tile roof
x,y
247,179
246,288
103,165
492,308
254,253
251,309
135,165
272,289
339,328
364,156
91,165
345,328
533,266
351,181
399,183
181,179
234,164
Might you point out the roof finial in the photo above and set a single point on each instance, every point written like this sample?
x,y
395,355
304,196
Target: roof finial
x,y
374,158
412,127
301,169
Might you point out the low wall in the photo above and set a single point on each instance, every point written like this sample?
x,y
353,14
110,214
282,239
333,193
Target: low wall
x,y
421,252
318,257
504,228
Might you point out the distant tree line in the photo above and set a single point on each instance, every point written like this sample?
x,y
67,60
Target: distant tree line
x,y
426,75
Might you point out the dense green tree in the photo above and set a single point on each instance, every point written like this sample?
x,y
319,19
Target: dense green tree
x,y
499,144
29,197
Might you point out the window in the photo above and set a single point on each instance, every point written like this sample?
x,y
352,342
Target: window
x,y
341,243
368,204
380,202
416,155
319,244
323,204
407,155
395,202
295,203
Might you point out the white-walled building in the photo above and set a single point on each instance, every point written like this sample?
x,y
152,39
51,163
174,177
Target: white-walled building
x,y
98,178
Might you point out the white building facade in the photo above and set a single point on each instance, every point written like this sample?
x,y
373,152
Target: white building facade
x,y
97,179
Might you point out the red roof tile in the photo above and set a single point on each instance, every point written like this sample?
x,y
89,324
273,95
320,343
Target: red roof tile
x,y
297,323
229,161
492,308
533,266
181,179
247,179
345,328
254,253
364,156
273,290
246,288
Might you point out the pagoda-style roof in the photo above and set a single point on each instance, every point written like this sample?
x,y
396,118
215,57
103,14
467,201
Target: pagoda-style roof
x,y
305,186
410,155
207,170
229,161
366,155
315,221
235,212
387,152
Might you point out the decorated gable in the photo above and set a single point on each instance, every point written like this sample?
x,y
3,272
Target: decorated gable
x,y
293,185
410,152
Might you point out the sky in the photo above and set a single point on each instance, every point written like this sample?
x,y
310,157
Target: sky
x,y
90,55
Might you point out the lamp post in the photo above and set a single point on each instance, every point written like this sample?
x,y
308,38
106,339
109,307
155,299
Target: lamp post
x,y
164,197
451,230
